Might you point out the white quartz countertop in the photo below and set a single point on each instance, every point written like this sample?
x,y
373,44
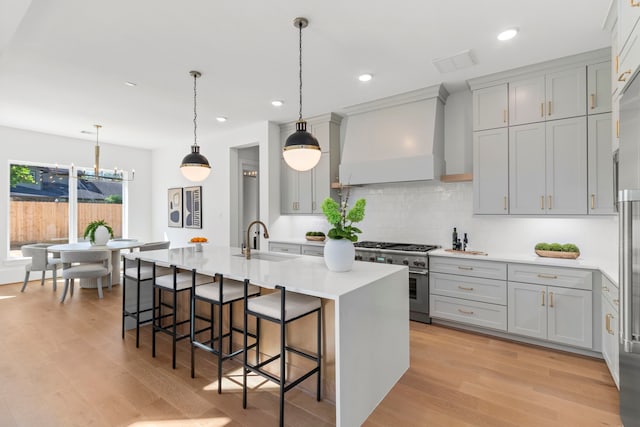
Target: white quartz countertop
x,y
298,273
298,241
610,271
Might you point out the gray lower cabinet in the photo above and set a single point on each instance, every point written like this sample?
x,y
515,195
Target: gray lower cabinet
x,y
468,291
296,248
552,304
610,319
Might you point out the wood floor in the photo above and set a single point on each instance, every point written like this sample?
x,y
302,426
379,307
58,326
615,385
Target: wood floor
x,y
66,365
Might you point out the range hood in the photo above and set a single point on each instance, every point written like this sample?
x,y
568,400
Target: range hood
x,y
395,139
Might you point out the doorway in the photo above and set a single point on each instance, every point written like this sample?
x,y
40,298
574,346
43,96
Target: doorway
x,y
248,182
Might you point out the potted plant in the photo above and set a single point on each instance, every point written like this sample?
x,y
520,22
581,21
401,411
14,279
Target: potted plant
x,y
98,232
339,251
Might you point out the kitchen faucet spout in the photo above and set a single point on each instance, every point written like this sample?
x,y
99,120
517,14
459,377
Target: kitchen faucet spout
x,y
247,248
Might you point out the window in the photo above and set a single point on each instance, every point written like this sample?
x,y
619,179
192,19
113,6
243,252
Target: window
x,y
40,203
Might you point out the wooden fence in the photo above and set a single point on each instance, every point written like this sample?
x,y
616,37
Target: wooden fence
x,y
49,221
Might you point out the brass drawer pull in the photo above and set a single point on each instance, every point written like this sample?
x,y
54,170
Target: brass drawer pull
x,y
551,299
542,202
504,203
465,311
504,116
542,299
593,101
608,318
547,276
549,112
593,201
621,77
465,289
617,128
461,267
542,109
550,202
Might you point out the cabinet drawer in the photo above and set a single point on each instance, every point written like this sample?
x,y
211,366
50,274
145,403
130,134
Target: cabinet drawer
x,y
313,250
467,267
554,276
471,312
610,292
470,288
289,248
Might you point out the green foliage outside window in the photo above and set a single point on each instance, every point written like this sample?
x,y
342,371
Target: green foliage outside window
x,y
20,175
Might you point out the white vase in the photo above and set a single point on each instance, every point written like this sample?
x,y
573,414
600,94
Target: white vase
x,y
339,254
101,236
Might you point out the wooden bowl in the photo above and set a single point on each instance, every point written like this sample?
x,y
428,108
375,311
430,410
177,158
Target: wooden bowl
x,y
558,254
315,238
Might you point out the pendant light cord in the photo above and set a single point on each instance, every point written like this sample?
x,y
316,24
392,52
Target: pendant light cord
x,y
300,68
195,114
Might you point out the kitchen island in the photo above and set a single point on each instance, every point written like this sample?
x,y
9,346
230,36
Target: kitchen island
x,y
370,316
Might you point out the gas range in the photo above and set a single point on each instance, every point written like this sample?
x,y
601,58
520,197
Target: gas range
x,y
410,254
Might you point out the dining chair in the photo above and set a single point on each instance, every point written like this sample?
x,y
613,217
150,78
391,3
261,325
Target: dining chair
x,y
40,261
88,264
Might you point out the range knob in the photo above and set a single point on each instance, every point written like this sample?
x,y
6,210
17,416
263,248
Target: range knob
x,y
389,261
419,263
372,259
358,257
405,261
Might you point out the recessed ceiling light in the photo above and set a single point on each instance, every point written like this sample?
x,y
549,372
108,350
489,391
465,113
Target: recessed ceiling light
x,y
221,119
130,84
507,34
365,77
277,103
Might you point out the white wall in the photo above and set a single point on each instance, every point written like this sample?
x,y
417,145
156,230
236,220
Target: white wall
x,y
219,197
21,145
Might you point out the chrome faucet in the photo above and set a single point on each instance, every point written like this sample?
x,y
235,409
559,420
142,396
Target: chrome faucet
x,y
247,248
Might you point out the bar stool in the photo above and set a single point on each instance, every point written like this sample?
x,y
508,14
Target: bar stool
x,y
281,308
141,272
220,294
174,283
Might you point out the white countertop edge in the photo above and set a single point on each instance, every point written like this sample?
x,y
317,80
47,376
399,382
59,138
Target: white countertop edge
x,y
298,242
611,272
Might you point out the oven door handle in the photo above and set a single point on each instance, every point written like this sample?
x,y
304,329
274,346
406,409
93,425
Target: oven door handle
x,y
422,273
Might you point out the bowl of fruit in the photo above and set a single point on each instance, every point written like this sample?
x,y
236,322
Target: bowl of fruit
x,y
198,241
315,236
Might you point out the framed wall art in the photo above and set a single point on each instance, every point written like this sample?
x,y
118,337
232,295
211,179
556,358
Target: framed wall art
x,y
174,206
192,207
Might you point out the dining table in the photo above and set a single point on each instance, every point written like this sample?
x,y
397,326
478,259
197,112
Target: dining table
x,y
114,245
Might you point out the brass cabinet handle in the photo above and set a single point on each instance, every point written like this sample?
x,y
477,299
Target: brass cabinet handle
x,y
608,318
465,289
547,276
542,202
550,202
593,201
542,299
551,299
634,4
542,109
549,112
465,311
461,267
504,203
313,206
622,78
617,128
593,101
504,116
616,62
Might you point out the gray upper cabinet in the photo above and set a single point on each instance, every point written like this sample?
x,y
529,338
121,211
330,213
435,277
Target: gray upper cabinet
x,y
600,179
303,192
527,169
491,171
556,95
490,107
599,88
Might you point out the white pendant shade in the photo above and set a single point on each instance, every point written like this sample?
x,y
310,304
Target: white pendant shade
x,y
195,173
302,159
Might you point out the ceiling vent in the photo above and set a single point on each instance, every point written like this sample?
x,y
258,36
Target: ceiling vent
x,y
455,62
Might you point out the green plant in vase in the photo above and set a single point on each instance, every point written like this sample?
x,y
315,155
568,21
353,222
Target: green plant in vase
x,y
342,218
90,230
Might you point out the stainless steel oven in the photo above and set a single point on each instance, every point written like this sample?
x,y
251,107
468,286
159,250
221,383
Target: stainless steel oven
x,y
413,256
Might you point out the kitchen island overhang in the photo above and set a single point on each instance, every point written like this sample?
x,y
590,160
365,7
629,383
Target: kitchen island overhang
x,y
371,315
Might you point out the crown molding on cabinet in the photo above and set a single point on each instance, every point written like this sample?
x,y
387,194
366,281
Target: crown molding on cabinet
x,y
434,91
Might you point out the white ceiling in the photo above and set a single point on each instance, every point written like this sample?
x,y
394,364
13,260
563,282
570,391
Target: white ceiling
x,y
63,63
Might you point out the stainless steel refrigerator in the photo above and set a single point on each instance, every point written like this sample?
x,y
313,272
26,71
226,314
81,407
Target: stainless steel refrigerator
x,y
629,226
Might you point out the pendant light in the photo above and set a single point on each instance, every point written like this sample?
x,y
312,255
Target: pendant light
x,y
195,167
301,150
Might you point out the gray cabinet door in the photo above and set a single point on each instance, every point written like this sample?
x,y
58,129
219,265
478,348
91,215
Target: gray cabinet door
x,y
491,171
527,310
526,100
599,88
490,107
565,93
570,316
527,169
600,178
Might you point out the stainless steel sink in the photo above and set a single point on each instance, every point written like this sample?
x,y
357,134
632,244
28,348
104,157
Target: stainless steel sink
x,y
267,256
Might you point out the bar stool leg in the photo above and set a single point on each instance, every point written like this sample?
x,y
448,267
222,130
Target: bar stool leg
x,y
153,312
319,351
124,292
138,306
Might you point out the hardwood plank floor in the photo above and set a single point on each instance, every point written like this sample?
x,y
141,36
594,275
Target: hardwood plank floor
x,y
66,365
